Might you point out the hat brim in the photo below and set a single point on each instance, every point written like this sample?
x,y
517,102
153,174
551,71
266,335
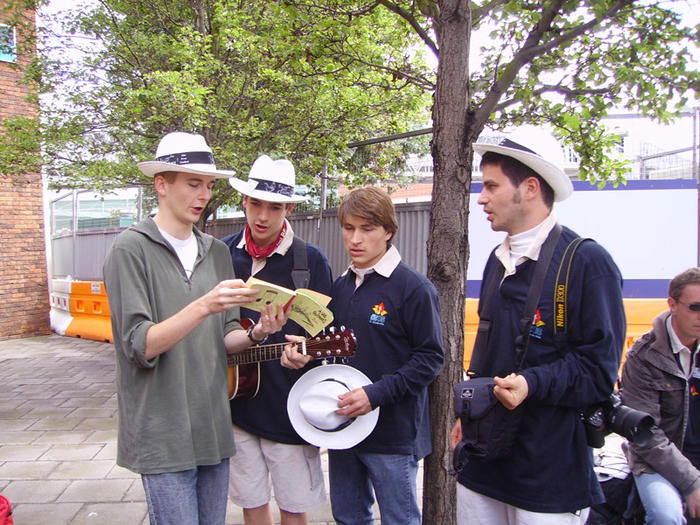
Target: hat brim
x,y
152,168
347,437
244,187
551,173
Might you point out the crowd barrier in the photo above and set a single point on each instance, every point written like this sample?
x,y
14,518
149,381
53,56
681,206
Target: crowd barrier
x,y
80,309
639,313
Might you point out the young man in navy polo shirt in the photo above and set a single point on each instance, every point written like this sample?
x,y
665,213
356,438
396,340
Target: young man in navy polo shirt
x,y
394,313
548,478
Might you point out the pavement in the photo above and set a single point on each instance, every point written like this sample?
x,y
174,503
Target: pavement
x,y
58,438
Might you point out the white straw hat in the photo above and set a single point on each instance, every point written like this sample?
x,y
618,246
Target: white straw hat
x,y
312,403
269,180
183,152
538,150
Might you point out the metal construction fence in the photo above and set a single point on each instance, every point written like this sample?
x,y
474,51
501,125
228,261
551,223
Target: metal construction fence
x,y
80,253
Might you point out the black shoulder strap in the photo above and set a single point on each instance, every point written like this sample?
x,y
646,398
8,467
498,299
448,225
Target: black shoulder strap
x,y
561,291
476,365
534,293
300,273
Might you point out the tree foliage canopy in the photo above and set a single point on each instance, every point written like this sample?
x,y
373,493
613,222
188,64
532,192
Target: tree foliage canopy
x,y
567,63
253,77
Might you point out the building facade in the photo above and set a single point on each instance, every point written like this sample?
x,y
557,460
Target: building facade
x,y
24,297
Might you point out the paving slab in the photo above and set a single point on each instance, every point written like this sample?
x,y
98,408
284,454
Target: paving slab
x,y
62,437
56,423
35,491
22,452
82,470
12,413
95,491
102,513
26,470
72,452
17,424
38,513
21,437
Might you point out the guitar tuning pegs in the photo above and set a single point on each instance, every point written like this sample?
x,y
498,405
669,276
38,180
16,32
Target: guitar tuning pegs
x,y
331,329
342,328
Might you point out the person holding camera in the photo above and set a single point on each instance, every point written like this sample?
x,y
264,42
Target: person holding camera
x,y
547,477
661,376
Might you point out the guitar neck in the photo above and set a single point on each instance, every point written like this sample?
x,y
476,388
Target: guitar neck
x,y
320,347
257,354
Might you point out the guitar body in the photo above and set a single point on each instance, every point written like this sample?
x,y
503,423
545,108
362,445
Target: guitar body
x,y
243,381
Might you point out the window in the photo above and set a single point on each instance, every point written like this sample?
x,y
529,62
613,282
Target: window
x,y
8,44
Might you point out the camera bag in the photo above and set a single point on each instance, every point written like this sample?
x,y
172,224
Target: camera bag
x,y
488,428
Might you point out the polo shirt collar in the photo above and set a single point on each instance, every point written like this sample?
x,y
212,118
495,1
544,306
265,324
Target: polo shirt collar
x,y
539,235
385,266
683,352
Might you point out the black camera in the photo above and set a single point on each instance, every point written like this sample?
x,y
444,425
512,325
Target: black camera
x,y
613,416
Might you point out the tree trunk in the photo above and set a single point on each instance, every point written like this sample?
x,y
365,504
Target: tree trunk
x,y
448,249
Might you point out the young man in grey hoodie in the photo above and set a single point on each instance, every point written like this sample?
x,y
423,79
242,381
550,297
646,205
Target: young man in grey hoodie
x,y
174,307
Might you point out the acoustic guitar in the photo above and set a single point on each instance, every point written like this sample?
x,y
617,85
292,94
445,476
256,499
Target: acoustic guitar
x,y
244,366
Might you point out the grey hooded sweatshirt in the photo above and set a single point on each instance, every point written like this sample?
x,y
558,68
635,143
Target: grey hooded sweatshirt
x,y
174,412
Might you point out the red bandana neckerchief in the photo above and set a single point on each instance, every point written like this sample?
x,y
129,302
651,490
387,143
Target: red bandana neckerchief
x,y
255,251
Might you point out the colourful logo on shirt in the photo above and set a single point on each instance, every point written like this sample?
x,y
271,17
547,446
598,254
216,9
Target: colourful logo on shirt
x,y
537,328
378,317
693,391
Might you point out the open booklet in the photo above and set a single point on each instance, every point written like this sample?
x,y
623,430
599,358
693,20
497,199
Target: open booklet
x,y
306,307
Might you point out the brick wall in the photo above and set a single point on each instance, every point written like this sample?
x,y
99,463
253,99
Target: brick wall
x,y
24,296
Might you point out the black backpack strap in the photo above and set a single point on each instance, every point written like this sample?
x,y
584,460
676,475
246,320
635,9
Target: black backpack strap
x,y
482,334
561,294
300,272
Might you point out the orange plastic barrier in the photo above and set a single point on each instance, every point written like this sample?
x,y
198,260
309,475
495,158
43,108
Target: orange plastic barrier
x,y
90,311
639,312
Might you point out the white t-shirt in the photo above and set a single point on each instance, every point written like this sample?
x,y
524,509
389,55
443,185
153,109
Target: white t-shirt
x,y
186,250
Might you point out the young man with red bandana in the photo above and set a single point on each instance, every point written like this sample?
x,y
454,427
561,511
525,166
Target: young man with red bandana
x,y
268,448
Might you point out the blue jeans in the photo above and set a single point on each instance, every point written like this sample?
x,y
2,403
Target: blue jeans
x,y
191,497
663,504
352,477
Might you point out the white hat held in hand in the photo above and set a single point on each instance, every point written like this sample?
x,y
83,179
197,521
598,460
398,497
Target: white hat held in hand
x,y
312,403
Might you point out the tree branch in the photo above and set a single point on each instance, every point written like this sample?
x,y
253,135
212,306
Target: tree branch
x,y
531,49
422,33
479,13
562,90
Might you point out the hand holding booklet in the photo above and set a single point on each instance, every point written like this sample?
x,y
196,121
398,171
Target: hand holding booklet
x,y
306,307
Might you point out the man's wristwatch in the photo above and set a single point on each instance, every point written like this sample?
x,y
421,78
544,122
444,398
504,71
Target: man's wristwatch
x,y
252,337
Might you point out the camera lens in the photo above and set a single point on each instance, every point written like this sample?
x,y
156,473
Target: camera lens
x,y
633,424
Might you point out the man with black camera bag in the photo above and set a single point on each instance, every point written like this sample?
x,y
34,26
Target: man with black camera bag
x,y
661,376
546,377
